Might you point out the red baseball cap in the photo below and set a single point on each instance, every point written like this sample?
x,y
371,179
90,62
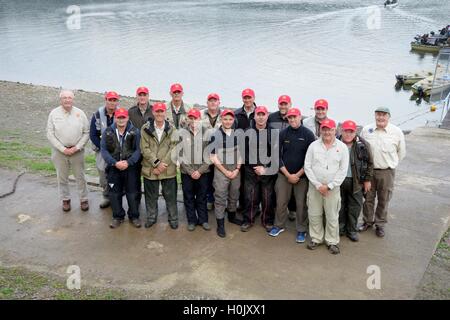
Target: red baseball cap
x,y
176,87
261,109
159,106
142,90
112,95
284,98
226,112
213,96
328,123
194,113
121,113
321,103
293,112
248,92
349,125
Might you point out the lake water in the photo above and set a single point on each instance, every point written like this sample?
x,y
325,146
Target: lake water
x,y
345,51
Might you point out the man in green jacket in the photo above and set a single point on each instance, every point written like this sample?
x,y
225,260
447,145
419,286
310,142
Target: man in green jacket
x,y
158,139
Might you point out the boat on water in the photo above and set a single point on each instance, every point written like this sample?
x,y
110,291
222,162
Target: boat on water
x,y
420,47
413,77
426,87
390,4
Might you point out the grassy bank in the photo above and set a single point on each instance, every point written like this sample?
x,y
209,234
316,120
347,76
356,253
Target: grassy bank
x,y
20,284
19,154
436,280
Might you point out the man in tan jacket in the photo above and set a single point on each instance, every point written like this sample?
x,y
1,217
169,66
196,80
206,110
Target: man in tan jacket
x,y
158,139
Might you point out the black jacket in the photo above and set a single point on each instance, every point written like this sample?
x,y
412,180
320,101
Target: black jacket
x,y
112,150
241,120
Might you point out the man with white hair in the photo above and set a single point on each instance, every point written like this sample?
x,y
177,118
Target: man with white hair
x,y
68,133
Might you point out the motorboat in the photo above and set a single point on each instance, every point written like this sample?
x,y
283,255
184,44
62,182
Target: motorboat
x,y
411,78
427,86
390,4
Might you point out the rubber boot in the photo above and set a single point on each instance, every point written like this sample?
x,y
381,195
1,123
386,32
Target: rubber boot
x,y
232,218
221,227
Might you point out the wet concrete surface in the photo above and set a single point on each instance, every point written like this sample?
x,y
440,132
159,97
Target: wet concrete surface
x,y
165,263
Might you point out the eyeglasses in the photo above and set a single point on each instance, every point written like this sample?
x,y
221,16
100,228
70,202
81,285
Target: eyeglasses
x,y
176,92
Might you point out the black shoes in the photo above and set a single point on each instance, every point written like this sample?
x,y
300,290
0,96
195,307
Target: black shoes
x,y
115,223
149,224
221,228
232,218
379,232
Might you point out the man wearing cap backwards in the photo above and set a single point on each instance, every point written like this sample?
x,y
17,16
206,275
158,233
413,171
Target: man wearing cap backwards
x,y
139,114
142,110
357,181
278,120
387,144
177,113
158,139
102,119
194,170
120,148
294,143
321,110
227,160
260,175
326,165
243,118
68,133
211,121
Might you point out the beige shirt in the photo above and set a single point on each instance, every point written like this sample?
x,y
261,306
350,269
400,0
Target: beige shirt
x,y
387,145
326,166
67,129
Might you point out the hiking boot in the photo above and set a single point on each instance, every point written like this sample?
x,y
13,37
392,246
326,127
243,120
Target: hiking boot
x,y
313,245
232,218
364,227
379,232
148,224
135,223
245,226
173,225
221,228
191,227
275,231
301,236
353,236
66,205
84,205
206,226
334,249
115,223
105,203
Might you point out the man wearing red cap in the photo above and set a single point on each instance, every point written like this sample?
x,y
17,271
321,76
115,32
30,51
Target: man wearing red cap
x,y
260,173
142,110
321,110
177,113
68,133
326,165
211,120
227,160
102,119
243,118
278,120
194,167
138,115
293,143
357,181
120,148
158,140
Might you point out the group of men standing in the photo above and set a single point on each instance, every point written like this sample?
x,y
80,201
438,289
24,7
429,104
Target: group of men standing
x,y
269,164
